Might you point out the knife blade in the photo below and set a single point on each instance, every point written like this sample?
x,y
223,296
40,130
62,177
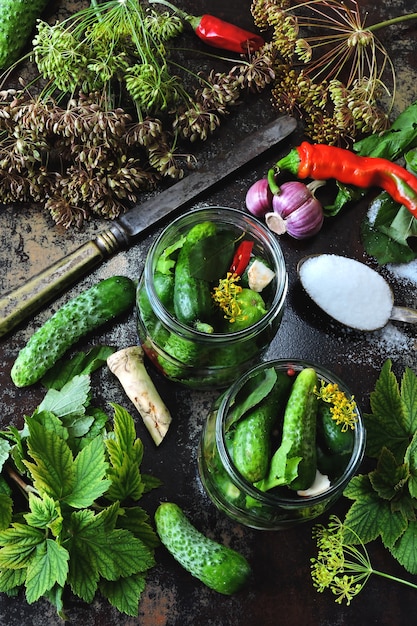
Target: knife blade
x,y
19,304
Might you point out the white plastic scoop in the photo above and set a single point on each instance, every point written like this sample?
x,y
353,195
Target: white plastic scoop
x,y
351,292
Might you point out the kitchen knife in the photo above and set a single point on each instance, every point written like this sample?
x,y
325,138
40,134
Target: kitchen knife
x,y
17,305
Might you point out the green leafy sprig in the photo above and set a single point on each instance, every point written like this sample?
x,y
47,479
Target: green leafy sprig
x,y
385,499
342,567
82,528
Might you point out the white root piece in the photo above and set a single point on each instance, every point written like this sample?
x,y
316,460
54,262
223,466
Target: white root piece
x,y
128,366
259,276
320,485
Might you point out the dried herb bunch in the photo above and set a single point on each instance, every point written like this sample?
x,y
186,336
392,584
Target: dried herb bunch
x,y
73,148
331,69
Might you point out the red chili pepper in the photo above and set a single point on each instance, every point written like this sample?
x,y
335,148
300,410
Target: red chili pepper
x,y
321,162
220,34
241,258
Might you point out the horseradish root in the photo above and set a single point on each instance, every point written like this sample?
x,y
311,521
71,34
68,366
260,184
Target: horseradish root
x,y
128,366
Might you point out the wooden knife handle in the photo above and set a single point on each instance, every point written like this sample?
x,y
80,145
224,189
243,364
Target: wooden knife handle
x,y
16,306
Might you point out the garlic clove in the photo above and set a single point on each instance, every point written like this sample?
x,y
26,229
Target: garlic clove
x,y
259,198
276,223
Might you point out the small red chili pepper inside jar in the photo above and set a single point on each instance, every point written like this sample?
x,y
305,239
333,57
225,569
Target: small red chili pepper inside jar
x,y
242,257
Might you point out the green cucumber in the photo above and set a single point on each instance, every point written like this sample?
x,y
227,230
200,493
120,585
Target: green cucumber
x,y
217,566
192,296
299,427
335,440
17,21
90,309
252,309
164,287
252,436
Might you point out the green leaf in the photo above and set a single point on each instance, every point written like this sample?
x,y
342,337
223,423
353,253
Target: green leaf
x,y
386,237
87,530
211,257
125,454
125,480
411,460
5,488
89,471
253,392
12,579
18,451
124,594
19,543
49,422
44,513
400,137
369,516
71,399
345,195
49,566
110,554
409,399
405,549
5,448
283,469
387,426
6,510
52,471
125,435
136,520
54,596
83,576
130,555
82,363
150,482
166,263
369,520
390,477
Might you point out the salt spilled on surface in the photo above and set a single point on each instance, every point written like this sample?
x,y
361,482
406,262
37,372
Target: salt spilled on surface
x,y
347,290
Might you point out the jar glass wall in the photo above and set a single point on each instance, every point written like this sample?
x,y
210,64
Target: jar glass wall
x,y
187,354
281,507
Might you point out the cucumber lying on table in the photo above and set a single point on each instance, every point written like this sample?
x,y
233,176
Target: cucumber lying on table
x,y
217,566
17,21
90,309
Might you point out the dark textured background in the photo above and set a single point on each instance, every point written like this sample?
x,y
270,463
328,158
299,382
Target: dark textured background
x,y
281,592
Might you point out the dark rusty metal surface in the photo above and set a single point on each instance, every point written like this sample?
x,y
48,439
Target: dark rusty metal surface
x,y
281,592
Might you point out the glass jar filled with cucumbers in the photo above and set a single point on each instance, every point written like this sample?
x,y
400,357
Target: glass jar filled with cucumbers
x,y
211,296
280,445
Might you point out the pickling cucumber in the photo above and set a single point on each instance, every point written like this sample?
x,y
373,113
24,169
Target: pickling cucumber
x,y
299,427
93,307
217,566
192,296
335,440
17,21
252,435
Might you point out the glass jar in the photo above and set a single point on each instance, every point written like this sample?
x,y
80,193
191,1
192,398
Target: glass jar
x,y
192,356
280,507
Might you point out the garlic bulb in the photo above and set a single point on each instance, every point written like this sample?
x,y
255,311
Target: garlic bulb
x,y
296,211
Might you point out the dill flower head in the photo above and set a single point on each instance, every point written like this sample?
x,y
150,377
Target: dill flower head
x,y
340,567
342,409
224,295
323,41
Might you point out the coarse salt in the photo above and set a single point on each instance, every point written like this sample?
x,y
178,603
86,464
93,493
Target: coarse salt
x,y
347,290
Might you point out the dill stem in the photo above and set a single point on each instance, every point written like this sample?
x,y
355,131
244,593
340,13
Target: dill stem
x,y
390,22
394,578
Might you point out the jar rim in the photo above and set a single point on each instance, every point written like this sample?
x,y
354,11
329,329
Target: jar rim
x,y
234,216
267,498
